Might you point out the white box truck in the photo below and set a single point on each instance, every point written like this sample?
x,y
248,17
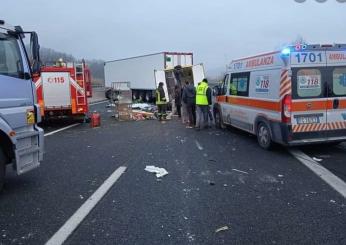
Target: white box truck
x,y
145,72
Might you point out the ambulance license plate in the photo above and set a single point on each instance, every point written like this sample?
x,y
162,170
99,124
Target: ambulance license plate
x,y
308,120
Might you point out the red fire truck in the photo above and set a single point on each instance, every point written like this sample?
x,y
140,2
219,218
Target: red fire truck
x,y
62,90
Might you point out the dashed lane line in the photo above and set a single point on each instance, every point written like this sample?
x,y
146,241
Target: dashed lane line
x,y
335,182
99,102
61,129
77,218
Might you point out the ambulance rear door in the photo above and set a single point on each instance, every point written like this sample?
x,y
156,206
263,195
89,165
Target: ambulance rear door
x,y
309,95
336,63
198,74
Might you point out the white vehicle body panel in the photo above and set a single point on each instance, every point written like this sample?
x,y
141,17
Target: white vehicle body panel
x,y
160,77
198,73
139,71
56,89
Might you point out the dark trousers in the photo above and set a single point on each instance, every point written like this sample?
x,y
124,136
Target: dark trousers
x,y
202,121
162,111
178,110
191,111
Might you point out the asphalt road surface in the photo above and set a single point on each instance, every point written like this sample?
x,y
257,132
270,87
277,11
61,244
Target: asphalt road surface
x,y
216,179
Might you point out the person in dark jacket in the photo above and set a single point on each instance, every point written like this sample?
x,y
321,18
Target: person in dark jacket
x,y
161,102
177,98
189,98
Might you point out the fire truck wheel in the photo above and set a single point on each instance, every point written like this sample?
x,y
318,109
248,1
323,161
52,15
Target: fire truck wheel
x,y
263,136
218,120
2,168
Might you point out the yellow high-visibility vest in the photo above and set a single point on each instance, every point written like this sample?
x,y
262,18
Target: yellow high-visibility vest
x,y
201,94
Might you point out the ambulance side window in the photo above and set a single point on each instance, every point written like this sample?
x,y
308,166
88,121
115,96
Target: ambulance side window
x,y
308,83
239,84
339,81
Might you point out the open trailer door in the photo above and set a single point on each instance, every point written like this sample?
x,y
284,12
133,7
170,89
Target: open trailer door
x,y
160,76
198,74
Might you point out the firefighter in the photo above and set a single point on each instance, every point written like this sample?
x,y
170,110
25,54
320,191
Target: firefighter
x,y
203,101
60,63
161,102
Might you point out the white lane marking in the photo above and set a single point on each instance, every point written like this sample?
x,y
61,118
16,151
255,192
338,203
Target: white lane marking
x,y
74,221
199,146
100,102
335,182
61,129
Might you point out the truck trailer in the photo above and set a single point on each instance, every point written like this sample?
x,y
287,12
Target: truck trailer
x,y
145,72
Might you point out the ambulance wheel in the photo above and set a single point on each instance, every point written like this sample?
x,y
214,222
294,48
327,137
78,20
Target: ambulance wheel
x,y
263,136
218,120
2,169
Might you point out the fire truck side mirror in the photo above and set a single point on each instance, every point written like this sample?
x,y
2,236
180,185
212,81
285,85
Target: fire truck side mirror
x,y
35,52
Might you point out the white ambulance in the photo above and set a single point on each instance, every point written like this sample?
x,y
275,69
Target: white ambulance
x,y
292,97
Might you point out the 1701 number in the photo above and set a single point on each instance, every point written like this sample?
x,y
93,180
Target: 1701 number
x,y
309,57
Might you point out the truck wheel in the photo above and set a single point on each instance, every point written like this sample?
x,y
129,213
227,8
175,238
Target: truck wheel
x,y
218,120
2,169
263,136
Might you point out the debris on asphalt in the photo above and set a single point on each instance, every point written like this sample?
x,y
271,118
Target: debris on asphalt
x,y
223,228
144,107
324,156
317,159
268,179
199,146
211,183
160,172
240,171
110,105
142,115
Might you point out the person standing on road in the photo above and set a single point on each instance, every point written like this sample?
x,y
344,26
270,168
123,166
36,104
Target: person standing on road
x,y
203,101
161,102
189,98
177,99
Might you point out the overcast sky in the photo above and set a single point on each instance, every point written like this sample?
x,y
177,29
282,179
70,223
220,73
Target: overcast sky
x,y
216,31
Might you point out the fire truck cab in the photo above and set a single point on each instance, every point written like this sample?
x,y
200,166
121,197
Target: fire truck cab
x,y
61,90
293,96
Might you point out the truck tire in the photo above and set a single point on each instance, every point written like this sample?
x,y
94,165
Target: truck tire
x,y
218,120
2,169
264,136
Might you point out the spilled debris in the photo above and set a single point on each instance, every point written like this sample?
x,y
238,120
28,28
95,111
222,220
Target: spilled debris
x,y
317,159
223,228
160,172
199,146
